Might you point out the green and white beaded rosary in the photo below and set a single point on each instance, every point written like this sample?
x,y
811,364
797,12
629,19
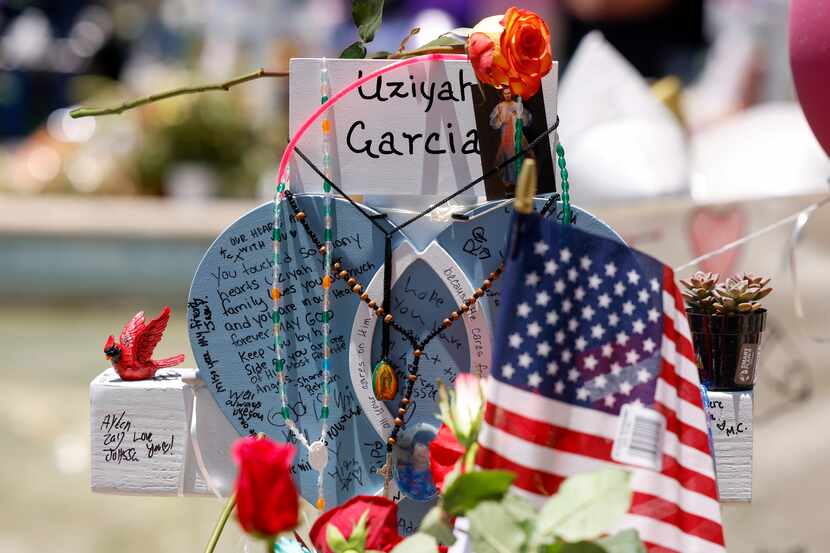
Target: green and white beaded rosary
x,y
317,450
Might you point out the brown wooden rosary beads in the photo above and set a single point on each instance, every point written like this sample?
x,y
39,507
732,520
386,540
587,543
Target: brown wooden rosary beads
x,y
388,318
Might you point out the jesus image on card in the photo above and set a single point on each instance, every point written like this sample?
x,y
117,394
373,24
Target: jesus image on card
x,y
498,114
504,118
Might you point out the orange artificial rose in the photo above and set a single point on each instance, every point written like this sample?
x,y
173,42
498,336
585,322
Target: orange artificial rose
x,y
511,51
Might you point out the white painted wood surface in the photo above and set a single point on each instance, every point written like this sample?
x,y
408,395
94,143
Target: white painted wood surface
x,y
165,408
141,436
730,421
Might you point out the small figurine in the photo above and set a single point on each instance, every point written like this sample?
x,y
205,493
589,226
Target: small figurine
x,y
130,357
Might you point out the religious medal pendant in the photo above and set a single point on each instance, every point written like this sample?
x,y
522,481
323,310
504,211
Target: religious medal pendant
x,y
384,381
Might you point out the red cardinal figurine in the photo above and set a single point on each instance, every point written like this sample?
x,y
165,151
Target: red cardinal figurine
x,y
130,357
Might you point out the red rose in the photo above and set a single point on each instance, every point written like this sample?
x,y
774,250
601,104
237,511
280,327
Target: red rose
x,y
381,523
444,452
266,499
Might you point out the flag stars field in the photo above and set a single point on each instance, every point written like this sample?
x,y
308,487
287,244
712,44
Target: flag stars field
x,y
534,329
515,340
534,379
604,301
587,324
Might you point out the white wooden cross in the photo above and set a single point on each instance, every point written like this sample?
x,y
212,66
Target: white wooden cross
x,y
144,440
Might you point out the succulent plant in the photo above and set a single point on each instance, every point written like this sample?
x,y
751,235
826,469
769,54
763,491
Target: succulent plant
x,y
700,292
741,294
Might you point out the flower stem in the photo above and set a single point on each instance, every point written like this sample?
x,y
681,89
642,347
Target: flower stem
x,y
270,544
452,49
93,112
258,74
220,524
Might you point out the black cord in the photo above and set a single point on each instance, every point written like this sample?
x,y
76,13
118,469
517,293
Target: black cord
x,y
483,177
387,294
372,219
535,142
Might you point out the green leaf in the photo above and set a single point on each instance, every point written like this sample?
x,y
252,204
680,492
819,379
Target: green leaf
x,y
470,489
585,506
367,15
578,547
417,543
435,525
357,537
493,530
335,539
519,509
355,50
625,541
443,40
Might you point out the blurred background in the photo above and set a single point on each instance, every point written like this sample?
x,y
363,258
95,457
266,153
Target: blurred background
x,y
682,131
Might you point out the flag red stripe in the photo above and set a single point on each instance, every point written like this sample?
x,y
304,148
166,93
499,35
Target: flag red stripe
x,y
654,548
597,447
686,434
657,508
682,344
670,287
538,482
685,389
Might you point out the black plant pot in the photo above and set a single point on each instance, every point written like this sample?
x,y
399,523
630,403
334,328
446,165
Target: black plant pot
x,y
727,348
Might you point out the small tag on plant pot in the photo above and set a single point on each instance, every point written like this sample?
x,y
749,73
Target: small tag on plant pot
x,y
745,375
639,439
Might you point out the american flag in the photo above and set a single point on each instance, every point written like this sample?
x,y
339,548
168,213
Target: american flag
x,y
594,366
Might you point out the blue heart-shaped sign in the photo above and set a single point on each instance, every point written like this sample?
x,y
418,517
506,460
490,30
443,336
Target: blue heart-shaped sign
x,y
229,316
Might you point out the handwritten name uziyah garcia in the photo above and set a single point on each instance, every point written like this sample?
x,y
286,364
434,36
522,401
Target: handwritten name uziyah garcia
x,y
400,143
